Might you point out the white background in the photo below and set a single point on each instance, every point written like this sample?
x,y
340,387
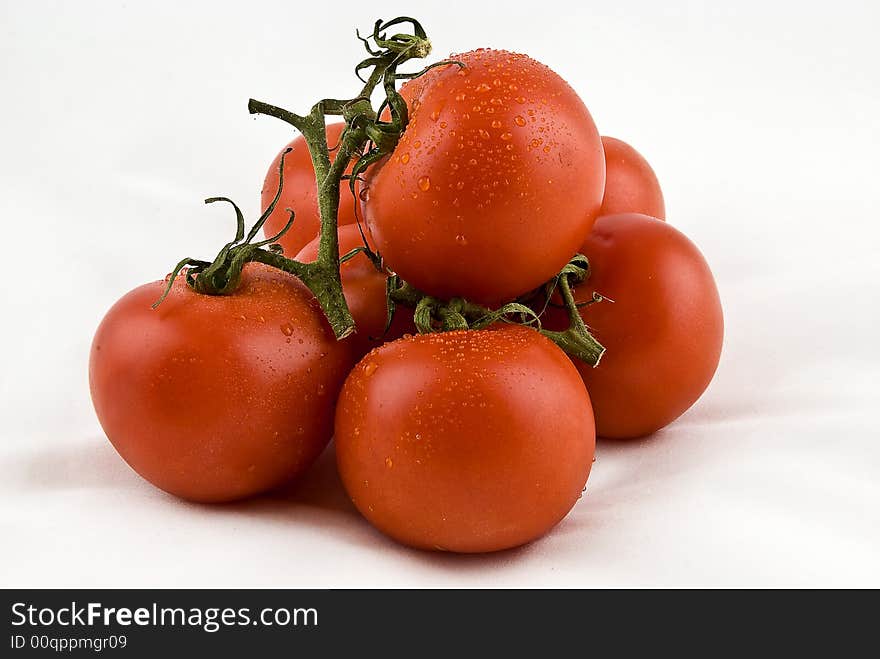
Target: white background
x,y
760,119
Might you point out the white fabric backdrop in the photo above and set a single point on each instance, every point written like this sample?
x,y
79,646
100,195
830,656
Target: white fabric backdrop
x,y
760,120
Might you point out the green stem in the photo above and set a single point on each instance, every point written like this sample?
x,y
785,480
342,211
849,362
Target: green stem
x,y
324,284
576,340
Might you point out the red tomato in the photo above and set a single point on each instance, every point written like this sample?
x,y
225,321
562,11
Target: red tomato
x,y
631,185
466,441
300,194
215,398
663,332
364,290
500,164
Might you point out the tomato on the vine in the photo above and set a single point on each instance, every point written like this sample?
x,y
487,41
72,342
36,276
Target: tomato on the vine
x,y
662,327
631,186
299,193
218,397
494,184
466,441
364,288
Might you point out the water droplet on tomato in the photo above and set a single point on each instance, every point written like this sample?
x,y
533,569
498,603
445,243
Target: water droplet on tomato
x,y
404,158
389,462
370,368
287,329
461,240
424,184
519,120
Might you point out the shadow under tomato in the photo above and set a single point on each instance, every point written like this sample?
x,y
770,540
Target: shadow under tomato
x,y
89,464
320,487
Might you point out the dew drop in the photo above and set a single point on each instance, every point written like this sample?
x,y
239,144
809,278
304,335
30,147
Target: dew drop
x,y
519,120
424,184
506,137
404,158
461,240
287,329
389,462
370,368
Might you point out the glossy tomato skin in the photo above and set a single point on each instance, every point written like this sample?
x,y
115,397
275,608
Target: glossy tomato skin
x,y
631,186
500,164
216,398
663,332
300,194
364,290
467,441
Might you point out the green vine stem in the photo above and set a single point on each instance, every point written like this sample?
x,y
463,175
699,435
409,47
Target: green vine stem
x,y
435,315
363,127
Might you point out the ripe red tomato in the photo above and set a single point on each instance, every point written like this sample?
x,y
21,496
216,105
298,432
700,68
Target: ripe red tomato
x,y
364,290
663,331
466,441
215,398
500,164
631,186
300,194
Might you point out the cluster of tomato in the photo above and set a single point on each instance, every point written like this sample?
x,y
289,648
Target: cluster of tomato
x,y
463,440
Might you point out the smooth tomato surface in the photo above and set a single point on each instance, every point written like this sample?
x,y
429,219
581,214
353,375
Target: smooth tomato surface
x,y
300,194
215,398
467,441
631,186
663,332
495,183
364,290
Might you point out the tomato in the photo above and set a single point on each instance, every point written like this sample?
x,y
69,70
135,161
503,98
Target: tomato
x,y
364,290
215,398
631,185
500,164
466,441
299,193
663,331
